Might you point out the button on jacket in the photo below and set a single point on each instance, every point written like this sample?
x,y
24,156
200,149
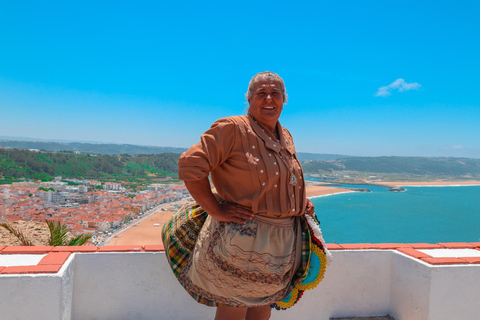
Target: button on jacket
x,y
248,166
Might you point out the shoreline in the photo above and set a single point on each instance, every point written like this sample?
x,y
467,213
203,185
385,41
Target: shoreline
x,y
438,183
315,190
331,194
148,230
427,183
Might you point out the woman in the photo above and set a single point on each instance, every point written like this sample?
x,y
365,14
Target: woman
x,y
250,245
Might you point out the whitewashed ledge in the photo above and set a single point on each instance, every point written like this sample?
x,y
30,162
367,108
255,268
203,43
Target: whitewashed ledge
x,y
130,283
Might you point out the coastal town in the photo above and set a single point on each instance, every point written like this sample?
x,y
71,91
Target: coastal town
x,y
84,206
107,210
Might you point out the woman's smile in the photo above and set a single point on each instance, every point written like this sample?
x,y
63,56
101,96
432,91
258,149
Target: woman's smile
x,y
266,103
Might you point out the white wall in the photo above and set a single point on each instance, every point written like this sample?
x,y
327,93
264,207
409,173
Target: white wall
x,y
410,283
357,283
140,285
455,293
128,286
37,296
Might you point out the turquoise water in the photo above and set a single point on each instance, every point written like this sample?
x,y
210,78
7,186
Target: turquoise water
x,y
420,214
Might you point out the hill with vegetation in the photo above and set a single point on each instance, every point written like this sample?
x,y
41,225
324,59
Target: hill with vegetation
x,y
44,165
434,167
88,148
304,156
118,149
21,163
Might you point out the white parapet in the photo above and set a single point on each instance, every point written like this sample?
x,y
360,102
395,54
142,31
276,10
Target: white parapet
x,y
140,285
38,296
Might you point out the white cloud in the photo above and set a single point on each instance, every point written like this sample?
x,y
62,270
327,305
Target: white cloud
x,y
399,85
453,148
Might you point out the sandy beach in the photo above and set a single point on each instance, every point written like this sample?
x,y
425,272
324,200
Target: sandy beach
x,y
317,190
148,231
429,183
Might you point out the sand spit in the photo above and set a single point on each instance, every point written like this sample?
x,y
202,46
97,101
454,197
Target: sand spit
x,y
438,183
316,190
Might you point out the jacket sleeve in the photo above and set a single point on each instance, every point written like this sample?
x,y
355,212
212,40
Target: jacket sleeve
x,y
213,149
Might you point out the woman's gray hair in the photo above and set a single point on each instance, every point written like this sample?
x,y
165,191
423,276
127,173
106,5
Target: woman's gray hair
x,y
267,75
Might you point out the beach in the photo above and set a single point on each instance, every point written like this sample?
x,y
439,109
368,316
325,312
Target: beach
x,y
148,231
317,190
429,183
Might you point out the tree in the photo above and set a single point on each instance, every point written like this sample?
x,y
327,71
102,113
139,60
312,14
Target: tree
x,y
58,235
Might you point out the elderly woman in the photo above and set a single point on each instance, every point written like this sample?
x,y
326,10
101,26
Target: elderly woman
x,y
250,245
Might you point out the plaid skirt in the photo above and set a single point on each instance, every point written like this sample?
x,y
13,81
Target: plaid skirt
x,y
235,255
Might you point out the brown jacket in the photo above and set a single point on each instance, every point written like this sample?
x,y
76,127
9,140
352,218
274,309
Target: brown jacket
x,y
248,166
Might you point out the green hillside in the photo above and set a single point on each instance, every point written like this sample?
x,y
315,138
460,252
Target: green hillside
x,y
91,148
413,166
21,163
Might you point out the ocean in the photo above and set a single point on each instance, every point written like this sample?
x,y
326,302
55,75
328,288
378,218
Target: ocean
x,y
420,214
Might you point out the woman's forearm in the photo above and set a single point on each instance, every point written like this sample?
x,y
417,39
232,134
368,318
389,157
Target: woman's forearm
x,y
227,211
203,195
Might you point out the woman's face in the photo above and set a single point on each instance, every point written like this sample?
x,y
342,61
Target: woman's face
x,y
266,103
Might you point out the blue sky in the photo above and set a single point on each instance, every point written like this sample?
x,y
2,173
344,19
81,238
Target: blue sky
x,y
364,78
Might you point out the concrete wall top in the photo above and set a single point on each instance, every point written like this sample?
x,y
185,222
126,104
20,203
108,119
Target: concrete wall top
x,y
54,257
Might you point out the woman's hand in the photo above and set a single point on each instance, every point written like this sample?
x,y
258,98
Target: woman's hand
x,y
310,208
232,212
226,211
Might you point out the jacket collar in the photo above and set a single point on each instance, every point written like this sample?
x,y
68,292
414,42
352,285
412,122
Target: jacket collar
x,y
270,141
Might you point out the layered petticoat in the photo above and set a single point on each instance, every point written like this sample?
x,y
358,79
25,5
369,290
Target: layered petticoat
x,y
268,261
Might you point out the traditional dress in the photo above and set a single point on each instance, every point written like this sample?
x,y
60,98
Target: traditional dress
x,y
248,264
